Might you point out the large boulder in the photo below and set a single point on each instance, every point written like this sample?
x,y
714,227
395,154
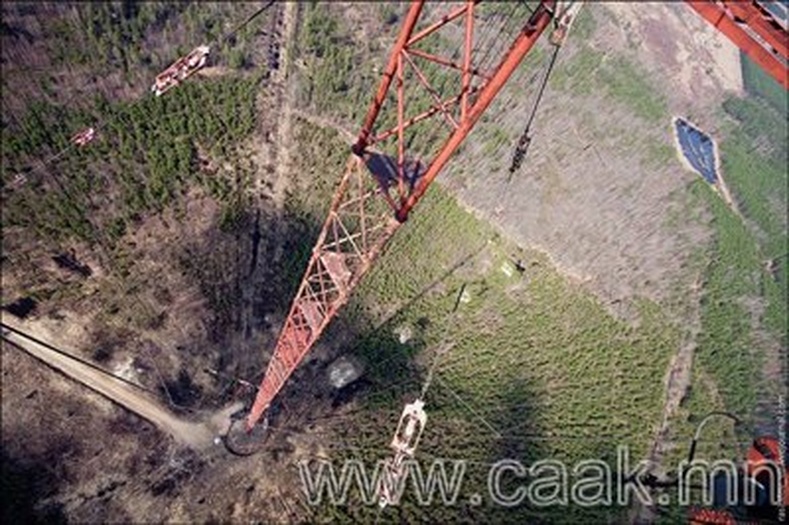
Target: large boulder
x,y
344,370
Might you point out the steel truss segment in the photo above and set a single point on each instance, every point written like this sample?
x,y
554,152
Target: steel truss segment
x,y
430,89
435,26
762,22
372,114
449,63
424,115
357,227
520,47
457,103
400,128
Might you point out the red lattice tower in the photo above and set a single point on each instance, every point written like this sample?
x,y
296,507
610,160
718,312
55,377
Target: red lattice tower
x,y
384,178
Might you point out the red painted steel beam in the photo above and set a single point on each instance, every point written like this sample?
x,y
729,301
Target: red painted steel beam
x,y
448,103
763,23
354,233
445,62
523,44
435,26
400,126
389,72
770,58
430,89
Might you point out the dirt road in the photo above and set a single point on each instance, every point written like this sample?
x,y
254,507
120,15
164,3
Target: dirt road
x,y
23,335
286,97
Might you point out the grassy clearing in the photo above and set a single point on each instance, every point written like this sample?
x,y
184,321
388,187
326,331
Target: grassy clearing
x,y
630,85
730,353
726,344
584,25
755,157
577,72
587,71
754,163
759,83
719,440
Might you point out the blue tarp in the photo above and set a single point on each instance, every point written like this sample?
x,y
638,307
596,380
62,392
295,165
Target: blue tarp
x,y
698,149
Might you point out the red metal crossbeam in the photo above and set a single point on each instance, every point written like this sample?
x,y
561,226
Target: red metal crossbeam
x,y
420,117
472,98
763,23
523,43
754,30
448,63
360,220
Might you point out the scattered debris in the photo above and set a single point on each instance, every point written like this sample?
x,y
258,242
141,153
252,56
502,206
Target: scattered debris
x,y
180,70
82,138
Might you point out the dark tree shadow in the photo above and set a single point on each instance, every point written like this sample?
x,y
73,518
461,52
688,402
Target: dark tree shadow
x,y
26,481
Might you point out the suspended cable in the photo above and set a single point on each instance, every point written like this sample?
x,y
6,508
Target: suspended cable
x,y
490,46
245,22
525,139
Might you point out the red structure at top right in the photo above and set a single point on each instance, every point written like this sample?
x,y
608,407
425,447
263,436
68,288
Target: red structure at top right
x,y
755,29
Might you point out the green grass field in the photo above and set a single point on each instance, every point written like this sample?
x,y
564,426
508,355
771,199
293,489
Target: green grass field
x,y
586,72
744,302
759,83
538,367
146,154
754,162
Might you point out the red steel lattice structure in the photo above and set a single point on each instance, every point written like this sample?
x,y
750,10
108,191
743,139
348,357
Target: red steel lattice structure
x,y
754,29
368,207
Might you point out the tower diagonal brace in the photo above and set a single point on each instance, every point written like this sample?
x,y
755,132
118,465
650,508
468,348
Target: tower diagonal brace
x,y
354,233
